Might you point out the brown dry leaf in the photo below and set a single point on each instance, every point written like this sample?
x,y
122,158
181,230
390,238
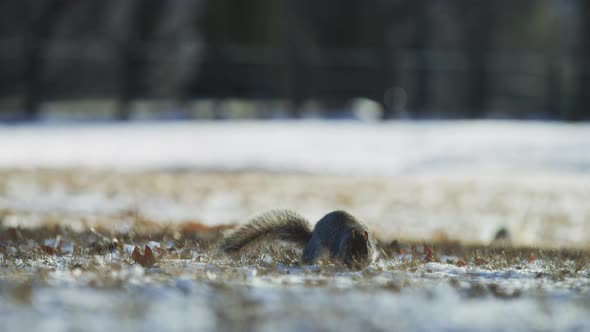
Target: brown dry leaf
x,y
47,249
136,255
461,263
145,260
149,255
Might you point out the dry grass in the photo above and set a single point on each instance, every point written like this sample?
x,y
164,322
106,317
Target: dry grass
x,y
30,256
536,213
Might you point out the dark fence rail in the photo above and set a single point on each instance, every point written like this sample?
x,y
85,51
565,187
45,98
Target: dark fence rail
x,y
416,58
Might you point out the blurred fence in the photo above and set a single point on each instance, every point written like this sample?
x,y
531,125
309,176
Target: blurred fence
x,y
397,55
429,82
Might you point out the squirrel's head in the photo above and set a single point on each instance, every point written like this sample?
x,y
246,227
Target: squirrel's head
x,y
359,249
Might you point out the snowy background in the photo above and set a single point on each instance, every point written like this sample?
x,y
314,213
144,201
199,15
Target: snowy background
x,y
477,148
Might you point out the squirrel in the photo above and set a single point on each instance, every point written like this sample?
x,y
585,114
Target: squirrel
x,y
338,235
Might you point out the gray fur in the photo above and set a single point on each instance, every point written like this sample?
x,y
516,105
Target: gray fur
x,y
281,225
342,237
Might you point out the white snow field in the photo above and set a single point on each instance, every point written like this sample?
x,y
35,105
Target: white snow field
x,y
464,148
429,180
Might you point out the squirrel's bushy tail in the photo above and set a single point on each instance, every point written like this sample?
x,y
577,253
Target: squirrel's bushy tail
x,y
283,225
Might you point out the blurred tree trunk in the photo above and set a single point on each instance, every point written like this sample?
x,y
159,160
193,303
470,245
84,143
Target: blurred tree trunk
x,y
41,19
582,99
302,50
479,25
422,47
553,86
212,77
390,65
143,21
389,21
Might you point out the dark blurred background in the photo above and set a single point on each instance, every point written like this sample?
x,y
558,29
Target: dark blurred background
x,y
115,59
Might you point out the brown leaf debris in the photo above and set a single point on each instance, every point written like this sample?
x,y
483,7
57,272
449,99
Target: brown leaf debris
x,y
145,260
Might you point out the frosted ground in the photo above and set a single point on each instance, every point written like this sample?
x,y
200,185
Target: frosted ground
x,y
431,183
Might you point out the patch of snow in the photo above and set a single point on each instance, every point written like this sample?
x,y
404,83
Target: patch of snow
x,y
476,148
